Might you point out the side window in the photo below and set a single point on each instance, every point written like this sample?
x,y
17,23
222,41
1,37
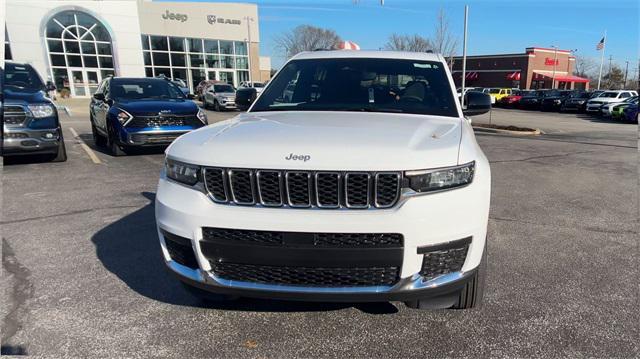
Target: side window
x,y
101,86
624,95
105,89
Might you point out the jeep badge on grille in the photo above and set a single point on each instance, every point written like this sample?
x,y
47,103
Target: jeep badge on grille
x,y
293,157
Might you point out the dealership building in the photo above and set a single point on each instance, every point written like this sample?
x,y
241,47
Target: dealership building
x,y
77,43
536,68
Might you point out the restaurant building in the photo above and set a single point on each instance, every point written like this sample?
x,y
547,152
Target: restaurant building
x,y
77,43
536,68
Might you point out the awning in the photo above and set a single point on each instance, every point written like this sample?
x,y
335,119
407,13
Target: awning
x,y
571,78
471,76
559,78
515,76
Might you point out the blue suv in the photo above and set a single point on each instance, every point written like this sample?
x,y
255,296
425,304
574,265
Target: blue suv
x,y
137,112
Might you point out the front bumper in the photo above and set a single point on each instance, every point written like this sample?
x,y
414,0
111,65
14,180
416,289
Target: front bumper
x,y
228,104
426,220
20,140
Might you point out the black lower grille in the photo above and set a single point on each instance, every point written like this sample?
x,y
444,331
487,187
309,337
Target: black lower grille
x,y
306,276
180,250
338,240
444,260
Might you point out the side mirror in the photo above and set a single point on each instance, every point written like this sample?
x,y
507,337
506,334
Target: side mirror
x,y
98,96
50,86
191,96
477,103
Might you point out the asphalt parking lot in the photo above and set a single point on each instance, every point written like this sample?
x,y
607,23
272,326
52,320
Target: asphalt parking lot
x,y
83,275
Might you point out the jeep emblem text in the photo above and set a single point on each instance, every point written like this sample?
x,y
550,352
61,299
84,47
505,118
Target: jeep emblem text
x,y
293,157
172,16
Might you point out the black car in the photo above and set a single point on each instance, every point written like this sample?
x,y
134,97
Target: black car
x,y
532,100
553,100
30,122
577,101
135,112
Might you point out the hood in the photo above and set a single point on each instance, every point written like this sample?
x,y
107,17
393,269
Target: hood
x,y
24,96
324,141
606,100
153,107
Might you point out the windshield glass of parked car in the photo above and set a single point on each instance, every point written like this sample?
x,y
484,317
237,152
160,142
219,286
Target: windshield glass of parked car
x,y
360,84
494,91
22,77
223,88
144,89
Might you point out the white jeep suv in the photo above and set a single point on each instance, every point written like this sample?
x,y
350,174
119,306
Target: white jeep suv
x,y
596,104
363,182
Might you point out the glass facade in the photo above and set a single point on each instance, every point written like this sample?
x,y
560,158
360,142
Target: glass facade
x,y
195,60
80,52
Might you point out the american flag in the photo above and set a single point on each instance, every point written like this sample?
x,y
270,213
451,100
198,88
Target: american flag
x,y
600,45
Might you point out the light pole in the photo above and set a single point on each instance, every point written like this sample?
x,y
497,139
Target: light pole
x,y
464,55
249,19
626,71
555,60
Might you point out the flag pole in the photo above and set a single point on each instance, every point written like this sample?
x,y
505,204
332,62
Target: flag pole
x,y
604,45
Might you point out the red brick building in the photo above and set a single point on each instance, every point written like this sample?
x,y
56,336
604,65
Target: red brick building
x,y
536,68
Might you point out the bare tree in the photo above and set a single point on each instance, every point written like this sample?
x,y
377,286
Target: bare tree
x,y
444,41
305,38
415,43
585,66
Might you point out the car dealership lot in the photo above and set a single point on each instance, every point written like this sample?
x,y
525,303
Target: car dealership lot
x,y
83,274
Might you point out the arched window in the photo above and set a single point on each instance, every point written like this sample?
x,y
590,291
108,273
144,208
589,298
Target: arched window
x,y
80,51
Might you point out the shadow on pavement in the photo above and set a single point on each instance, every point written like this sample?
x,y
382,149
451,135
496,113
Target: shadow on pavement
x,y
23,159
138,151
129,248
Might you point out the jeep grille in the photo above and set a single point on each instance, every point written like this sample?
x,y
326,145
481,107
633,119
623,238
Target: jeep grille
x,y
303,189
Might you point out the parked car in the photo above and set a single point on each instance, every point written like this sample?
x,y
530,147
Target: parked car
x,y
616,110
498,93
265,205
259,86
513,100
203,85
137,112
554,99
631,113
182,85
220,96
532,100
594,105
577,101
30,119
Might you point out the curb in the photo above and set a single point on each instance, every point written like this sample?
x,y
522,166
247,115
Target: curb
x,y
535,132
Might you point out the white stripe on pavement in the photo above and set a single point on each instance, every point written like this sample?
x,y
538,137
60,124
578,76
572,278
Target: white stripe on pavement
x,y
84,146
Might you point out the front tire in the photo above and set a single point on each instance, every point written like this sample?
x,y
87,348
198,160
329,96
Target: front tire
x,y
471,295
112,143
216,105
61,154
98,139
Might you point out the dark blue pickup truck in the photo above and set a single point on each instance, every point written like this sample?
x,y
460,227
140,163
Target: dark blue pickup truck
x,y
140,112
30,122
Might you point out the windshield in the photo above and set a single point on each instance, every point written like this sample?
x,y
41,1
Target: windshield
x,y
609,95
495,91
23,77
360,84
223,88
144,89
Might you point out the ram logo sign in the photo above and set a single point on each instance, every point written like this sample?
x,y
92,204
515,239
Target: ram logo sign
x,y
213,19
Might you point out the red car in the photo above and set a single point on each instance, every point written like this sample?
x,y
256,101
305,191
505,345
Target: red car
x,y
512,100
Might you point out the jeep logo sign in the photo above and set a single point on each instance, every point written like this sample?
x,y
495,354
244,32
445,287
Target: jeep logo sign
x,y
178,17
293,157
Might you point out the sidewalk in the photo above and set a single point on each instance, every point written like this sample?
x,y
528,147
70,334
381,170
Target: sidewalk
x,y
77,106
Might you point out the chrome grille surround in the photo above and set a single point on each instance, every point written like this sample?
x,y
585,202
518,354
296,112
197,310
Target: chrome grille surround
x,y
302,189
15,115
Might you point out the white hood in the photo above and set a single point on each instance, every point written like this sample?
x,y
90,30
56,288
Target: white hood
x,y
327,140
604,100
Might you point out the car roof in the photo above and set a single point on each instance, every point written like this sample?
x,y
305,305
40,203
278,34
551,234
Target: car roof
x,y
344,54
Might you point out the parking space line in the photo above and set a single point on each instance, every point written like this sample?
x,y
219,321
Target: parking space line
x,y
87,149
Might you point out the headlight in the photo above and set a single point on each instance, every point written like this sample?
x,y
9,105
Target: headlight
x,y
182,172
202,116
440,178
557,101
40,111
123,117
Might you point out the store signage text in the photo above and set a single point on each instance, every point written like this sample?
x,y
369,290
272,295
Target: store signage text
x,y
213,19
178,17
549,61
